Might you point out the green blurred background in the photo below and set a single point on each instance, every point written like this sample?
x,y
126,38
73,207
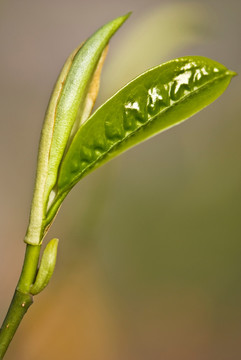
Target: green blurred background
x,y
150,253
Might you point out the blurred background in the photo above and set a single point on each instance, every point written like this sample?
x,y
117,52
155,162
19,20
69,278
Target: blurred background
x,y
149,255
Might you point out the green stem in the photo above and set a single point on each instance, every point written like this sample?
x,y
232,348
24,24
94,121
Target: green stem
x,y
29,269
22,299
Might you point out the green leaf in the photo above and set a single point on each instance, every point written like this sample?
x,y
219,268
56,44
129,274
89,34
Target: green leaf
x,y
70,105
155,101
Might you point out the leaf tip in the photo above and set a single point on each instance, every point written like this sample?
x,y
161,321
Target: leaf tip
x,y
128,14
125,17
231,73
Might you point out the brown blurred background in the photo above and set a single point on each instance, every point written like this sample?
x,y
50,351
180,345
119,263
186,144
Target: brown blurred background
x,y
149,263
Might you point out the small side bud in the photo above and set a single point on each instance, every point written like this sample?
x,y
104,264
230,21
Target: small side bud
x,y
46,268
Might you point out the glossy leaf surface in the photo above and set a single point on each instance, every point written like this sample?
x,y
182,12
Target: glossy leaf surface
x,y
157,100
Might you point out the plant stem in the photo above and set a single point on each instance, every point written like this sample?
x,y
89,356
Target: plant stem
x,y
29,269
22,299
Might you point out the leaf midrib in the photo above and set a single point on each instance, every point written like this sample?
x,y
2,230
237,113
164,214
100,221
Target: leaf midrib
x,y
148,123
